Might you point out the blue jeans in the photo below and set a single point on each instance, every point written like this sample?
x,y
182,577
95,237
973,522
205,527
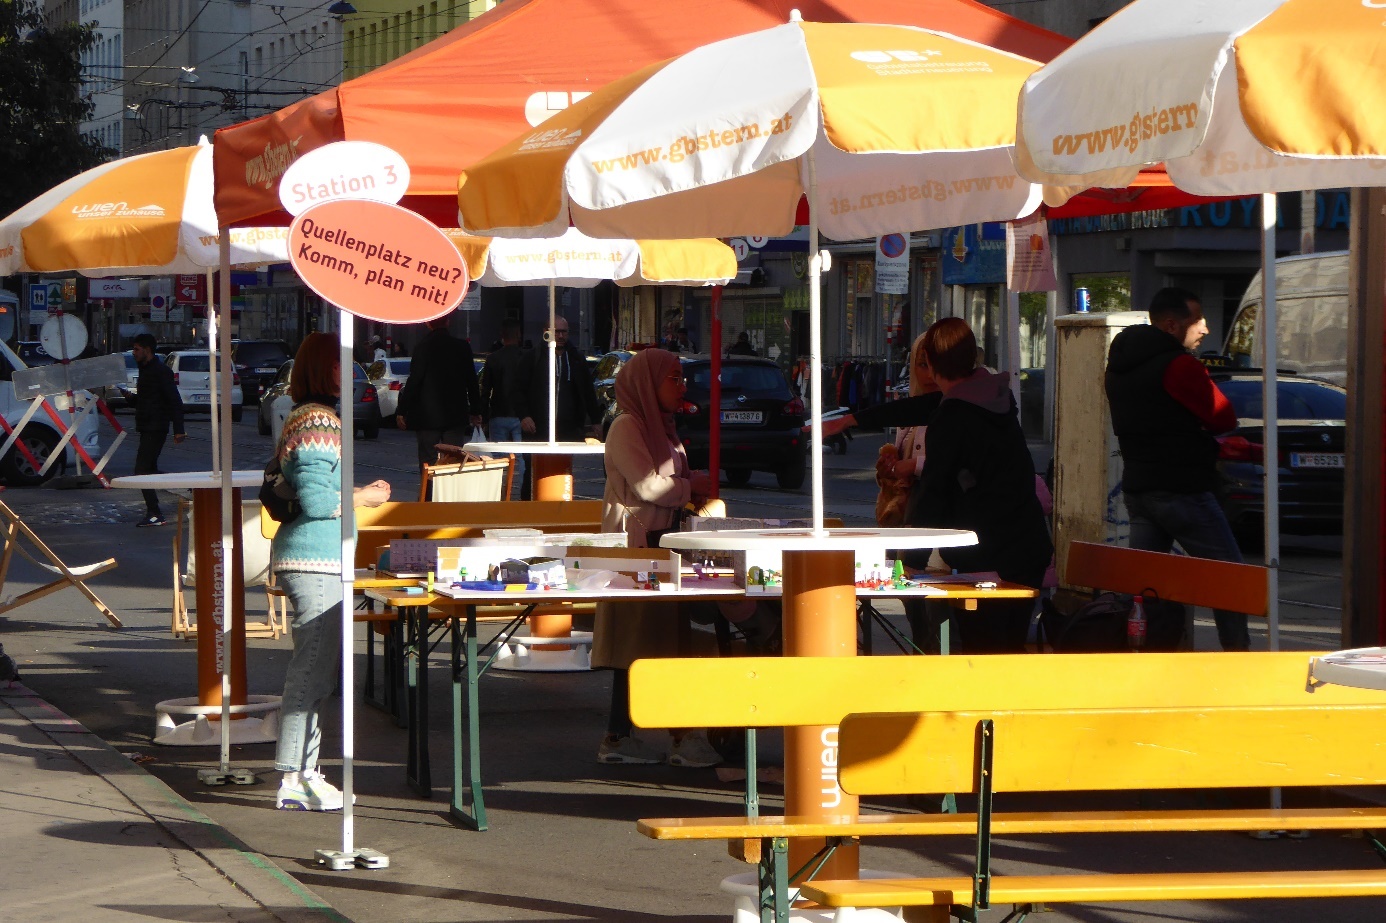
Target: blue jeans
x,y
1196,521
505,429
313,669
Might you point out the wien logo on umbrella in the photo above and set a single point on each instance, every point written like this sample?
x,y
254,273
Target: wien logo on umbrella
x,y
117,210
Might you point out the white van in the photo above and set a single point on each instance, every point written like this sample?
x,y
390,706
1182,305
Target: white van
x,y
1311,306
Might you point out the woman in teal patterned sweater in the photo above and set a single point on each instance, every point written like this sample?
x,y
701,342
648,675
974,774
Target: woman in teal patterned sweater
x,y
307,560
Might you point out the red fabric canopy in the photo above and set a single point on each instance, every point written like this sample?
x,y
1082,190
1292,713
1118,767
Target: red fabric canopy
x,y
456,99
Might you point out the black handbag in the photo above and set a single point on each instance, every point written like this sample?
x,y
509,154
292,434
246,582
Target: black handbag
x,y
1075,623
277,495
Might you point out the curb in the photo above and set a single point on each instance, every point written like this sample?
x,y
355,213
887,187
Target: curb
x,y
282,896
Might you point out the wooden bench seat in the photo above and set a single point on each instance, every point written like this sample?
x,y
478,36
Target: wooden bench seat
x,y
376,526
1113,749
798,691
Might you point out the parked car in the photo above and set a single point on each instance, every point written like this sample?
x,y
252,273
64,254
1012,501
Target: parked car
x,y
389,376
762,420
123,394
33,353
258,362
1312,454
192,374
1311,318
39,435
276,404
604,381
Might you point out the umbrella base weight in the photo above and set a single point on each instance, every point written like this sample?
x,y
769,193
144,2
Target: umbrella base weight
x,y
256,722
362,858
528,654
226,777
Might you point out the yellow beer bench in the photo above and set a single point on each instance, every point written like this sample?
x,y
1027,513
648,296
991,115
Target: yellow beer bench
x,y
987,751
798,691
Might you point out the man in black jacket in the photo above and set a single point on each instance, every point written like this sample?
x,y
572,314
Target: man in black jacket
x,y
440,401
578,414
157,404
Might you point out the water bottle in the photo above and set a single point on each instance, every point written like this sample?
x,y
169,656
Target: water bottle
x,y
1135,624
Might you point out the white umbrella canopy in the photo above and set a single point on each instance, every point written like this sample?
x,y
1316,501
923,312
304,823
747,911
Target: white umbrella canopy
x,y
880,128
1238,98
150,214
1258,96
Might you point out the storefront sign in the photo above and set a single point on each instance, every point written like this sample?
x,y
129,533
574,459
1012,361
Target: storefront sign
x,y
378,261
113,288
893,264
1029,262
190,289
974,254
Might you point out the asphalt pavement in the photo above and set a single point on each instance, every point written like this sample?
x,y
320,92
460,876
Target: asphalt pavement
x,y
102,824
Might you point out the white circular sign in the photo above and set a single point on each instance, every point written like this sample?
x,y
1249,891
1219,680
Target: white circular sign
x,y
740,248
757,241
63,336
344,170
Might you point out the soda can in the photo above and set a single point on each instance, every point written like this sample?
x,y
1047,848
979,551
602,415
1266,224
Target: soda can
x,y
1082,301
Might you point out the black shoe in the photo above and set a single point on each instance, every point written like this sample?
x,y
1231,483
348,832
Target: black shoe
x,y
151,521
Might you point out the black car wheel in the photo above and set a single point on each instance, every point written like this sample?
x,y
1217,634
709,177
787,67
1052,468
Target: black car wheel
x,y
236,413
738,477
370,432
791,476
17,470
261,424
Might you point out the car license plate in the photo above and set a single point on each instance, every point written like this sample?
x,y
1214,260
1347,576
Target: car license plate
x,y
1317,460
265,371
741,416
200,399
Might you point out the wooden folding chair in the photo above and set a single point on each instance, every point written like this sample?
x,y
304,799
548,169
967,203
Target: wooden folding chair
x,y
255,552
16,529
460,476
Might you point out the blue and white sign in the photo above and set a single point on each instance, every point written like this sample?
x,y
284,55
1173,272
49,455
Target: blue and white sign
x,y
893,264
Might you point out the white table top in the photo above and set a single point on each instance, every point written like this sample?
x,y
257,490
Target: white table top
x,y
865,539
536,448
1362,668
197,480
501,597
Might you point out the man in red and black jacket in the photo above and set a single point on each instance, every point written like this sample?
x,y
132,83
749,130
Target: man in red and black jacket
x,y
1166,413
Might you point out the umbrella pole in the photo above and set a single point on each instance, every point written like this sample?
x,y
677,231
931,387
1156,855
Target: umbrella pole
x,y
714,397
553,370
1270,441
213,377
350,856
815,350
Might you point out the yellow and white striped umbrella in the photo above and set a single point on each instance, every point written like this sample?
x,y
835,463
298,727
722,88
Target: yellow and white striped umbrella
x,y
574,260
879,128
1236,98
889,128
150,214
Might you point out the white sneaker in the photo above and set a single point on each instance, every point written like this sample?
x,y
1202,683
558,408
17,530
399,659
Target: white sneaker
x,y
694,751
628,749
312,793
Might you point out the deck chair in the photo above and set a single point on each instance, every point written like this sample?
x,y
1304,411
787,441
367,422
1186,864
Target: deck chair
x,y
15,529
460,476
255,554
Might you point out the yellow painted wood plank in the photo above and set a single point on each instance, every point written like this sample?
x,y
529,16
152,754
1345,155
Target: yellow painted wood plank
x,y
1177,577
1015,823
1116,749
1096,888
796,691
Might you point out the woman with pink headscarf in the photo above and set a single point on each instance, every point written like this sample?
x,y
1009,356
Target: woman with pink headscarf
x,y
647,482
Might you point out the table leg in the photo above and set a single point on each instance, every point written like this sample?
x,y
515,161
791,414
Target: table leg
x,y
819,621
553,480
417,771
466,701
214,604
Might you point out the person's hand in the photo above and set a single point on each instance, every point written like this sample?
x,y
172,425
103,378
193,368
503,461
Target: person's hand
x,y
476,419
904,468
699,485
399,422
527,426
373,494
179,437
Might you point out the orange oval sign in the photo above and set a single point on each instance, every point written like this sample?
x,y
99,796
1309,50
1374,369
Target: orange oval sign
x,y
377,260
